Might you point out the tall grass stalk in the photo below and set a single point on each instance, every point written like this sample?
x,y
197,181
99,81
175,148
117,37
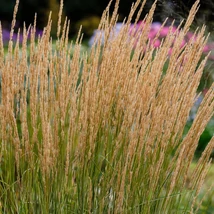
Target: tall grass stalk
x,y
102,132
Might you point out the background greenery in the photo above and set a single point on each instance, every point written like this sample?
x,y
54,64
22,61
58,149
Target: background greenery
x,y
81,10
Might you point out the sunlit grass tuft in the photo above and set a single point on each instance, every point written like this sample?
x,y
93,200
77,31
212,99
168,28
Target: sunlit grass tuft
x,y
102,132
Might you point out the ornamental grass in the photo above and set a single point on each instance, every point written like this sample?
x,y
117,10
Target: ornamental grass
x,y
102,131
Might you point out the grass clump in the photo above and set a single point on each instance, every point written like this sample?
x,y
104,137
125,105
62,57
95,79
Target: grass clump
x,y
102,132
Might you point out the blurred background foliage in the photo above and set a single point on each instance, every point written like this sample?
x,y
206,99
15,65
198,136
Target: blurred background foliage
x,y
88,12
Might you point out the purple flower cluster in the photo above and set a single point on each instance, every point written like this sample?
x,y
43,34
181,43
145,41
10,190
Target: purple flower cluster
x,y
6,35
156,34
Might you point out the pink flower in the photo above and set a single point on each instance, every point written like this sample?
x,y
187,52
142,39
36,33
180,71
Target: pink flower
x,y
152,34
189,35
135,28
170,51
174,29
164,31
206,48
153,40
156,43
183,43
156,26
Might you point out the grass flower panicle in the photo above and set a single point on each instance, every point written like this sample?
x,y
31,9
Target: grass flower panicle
x,y
102,131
